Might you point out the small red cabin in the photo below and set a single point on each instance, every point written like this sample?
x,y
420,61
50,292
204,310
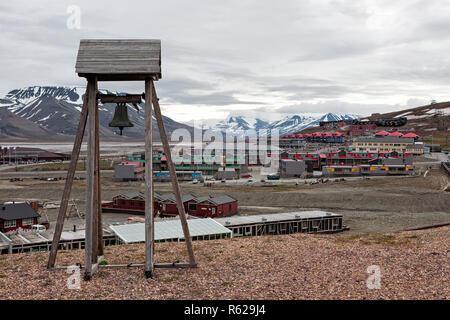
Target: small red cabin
x,y
165,205
212,207
17,215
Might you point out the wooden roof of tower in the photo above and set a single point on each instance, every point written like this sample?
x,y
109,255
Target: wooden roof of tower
x,y
119,60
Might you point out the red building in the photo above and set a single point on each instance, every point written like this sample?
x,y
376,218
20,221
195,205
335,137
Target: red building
x,y
211,207
26,154
17,215
165,205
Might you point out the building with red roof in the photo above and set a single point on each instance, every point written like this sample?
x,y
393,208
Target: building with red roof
x,y
395,134
410,135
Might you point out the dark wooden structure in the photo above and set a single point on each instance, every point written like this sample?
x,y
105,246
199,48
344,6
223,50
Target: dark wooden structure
x,y
117,60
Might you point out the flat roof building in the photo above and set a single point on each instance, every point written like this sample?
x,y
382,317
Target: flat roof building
x,y
382,144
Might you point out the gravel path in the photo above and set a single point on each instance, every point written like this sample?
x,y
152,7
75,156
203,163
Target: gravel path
x,y
414,265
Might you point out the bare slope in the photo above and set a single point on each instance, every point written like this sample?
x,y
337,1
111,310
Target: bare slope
x,y
13,126
413,265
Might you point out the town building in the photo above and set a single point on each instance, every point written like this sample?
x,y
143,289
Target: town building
x,y
165,205
316,161
28,155
17,215
212,206
382,144
284,223
129,171
416,148
367,170
290,168
227,174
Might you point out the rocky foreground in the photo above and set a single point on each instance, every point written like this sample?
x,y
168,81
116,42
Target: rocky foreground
x,y
413,265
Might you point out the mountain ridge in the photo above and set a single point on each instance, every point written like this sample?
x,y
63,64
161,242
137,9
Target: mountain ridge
x,y
57,109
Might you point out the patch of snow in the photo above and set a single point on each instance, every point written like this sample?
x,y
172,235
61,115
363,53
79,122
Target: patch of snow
x,y
412,117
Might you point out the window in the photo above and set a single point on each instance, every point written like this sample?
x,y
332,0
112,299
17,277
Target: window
x,y
192,206
9,224
27,221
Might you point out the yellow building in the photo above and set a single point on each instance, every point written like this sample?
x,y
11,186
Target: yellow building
x,y
382,144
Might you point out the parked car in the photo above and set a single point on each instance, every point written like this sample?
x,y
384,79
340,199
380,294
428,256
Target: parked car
x,y
246,175
195,181
39,228
273,177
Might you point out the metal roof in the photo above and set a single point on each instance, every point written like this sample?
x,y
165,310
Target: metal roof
x,y
15,211
171,196
274,217
169,230
131,195
216,200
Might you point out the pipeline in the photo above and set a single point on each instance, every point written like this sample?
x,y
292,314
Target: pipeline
x,y
430,226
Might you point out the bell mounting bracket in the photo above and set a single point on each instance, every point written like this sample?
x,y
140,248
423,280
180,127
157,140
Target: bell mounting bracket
x,y
134,99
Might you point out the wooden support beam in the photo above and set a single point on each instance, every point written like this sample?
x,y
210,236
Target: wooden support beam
x,y
149,235
173,176
69,181
95,186
100,244
90,181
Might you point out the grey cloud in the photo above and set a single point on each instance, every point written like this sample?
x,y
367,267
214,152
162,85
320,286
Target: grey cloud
x,y
217,53
213,99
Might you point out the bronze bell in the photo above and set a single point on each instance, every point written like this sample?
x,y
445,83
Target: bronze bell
x,y
120,119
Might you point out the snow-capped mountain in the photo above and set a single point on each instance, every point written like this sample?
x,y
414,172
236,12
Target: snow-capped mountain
x,y
240,123
298,123
67,94
57,109
289,124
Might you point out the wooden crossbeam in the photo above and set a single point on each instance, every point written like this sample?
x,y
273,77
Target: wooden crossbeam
x,y
112,98
166,265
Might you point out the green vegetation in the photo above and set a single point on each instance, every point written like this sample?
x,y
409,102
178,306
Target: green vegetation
x,y
284,187
169,279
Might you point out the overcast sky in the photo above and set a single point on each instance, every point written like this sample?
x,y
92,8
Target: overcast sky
x,y
259,58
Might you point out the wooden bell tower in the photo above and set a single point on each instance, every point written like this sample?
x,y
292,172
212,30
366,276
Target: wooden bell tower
x,y
117,60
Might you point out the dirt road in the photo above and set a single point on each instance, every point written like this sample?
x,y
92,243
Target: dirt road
x,y
374,205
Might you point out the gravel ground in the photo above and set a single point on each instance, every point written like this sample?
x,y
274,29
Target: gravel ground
x,y
414,265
